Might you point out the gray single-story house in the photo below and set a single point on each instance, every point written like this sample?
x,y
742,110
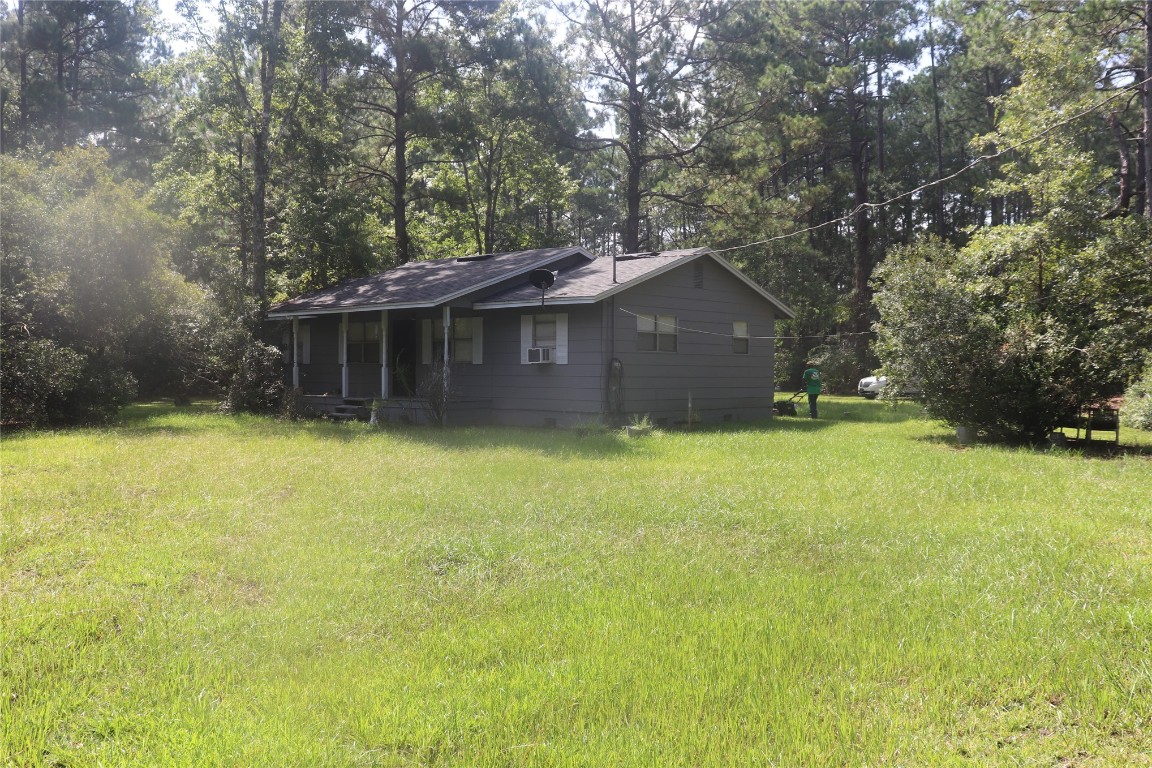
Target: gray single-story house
x,y
550,337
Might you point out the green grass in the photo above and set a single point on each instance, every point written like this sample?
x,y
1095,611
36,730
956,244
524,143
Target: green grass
x,y
189,589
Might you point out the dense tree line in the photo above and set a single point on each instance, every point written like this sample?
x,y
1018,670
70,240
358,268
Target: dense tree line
x,y
273,146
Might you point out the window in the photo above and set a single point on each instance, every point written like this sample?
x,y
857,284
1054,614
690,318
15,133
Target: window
x,y
656,333
364,343
466,344
462,339
300,334
740,337
544,332
460,350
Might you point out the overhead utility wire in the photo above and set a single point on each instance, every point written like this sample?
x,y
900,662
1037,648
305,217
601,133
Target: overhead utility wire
x,y
978,161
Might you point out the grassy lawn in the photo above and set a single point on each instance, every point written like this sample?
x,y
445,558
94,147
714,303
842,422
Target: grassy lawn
x,y
189,589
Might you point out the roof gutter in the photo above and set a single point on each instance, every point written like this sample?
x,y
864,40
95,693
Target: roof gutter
x,y
303,314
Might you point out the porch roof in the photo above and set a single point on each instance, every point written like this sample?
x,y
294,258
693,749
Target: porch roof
x,y
416,284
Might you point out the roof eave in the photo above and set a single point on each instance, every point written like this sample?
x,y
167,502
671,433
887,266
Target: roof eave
x,y
548,302
289,314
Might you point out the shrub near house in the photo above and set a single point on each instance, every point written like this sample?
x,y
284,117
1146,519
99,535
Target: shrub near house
x,y
992,353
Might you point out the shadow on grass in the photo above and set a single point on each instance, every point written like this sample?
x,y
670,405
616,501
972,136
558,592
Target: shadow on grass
x,y
548,441
1074,449
163,417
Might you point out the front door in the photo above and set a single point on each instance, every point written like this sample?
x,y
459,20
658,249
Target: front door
x,y
404,348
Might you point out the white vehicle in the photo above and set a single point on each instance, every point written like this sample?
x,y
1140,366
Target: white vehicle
x,y
870,388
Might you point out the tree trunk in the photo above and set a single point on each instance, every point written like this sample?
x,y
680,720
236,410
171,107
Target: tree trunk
x,y
23,127
885,236
1124,196
1139,196
997,202
635,158
1147,109
632,216
400,169
400,188
245,225
862,272
260,159
938,190
60,103
635,148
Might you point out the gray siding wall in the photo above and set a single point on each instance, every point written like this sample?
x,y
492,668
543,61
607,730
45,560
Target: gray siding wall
x,y
722,384
537,394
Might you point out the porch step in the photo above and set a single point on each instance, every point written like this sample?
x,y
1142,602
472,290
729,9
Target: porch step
x,y
351,412
342,409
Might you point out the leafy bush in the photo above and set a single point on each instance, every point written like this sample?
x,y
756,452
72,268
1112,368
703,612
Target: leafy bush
x,y
988,351
1137,409
102,389
83,274
256,381
218,355
35,373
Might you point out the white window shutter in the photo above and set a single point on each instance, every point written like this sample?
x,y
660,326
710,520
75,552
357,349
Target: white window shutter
x,y
562,339
426,342
305,345
525,337
477,340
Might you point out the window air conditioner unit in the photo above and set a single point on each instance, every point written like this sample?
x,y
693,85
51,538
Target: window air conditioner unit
x,y
539,354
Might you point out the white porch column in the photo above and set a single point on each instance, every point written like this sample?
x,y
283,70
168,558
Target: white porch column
x,y
385,378
447,358
344,354
295,353
447,335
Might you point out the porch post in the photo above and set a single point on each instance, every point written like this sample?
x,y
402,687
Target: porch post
x,y
447,357
344,354
385,379
447,333
295,353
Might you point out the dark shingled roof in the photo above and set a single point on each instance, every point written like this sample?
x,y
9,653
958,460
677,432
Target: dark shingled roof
x,y
586,282
435,282
421,283
590,282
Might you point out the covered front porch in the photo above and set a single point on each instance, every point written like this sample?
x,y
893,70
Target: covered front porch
x,y
366,356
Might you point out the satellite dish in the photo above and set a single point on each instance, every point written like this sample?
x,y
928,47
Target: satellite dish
x,y
542,278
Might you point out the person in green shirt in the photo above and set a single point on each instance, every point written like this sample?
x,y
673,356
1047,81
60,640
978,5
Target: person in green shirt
x,y
811,379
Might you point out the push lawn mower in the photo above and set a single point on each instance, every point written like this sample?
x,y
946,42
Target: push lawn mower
x,y
787,407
